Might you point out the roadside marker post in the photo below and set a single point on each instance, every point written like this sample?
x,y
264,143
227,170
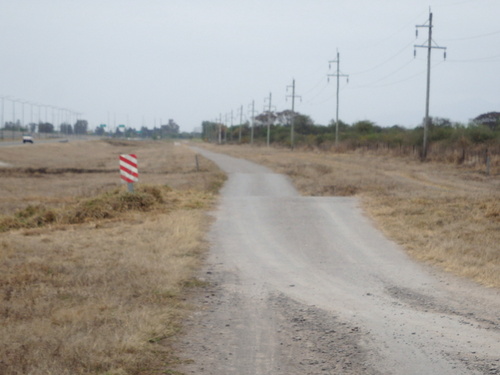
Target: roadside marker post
x,y
128,170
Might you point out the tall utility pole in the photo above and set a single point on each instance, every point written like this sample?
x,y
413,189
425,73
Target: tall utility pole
x,y
241,123
31,114
14,111
22,112
225,127
220,128
293,96
338,75
429,48
269,120
2,125
253,122
231,133
3,112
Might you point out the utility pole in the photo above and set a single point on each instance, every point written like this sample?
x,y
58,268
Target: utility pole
x,y
231,134
241,123
13,112
3,112
31,114
293,96
2,125
429,48
338,75
269,120
253,121
225,128
220,128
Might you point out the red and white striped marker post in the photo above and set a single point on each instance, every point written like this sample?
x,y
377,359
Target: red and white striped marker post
x,y
128,170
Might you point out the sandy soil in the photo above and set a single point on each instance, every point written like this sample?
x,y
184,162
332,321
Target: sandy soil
x,y
307,285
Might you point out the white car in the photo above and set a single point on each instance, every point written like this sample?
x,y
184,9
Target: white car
x,y
27,139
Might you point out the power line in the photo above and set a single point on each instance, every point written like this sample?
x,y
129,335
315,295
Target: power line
x,y
474,36
480,59
385,61
387,76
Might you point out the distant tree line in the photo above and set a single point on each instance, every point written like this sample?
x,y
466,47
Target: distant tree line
x,y
80,127
168,130
483,132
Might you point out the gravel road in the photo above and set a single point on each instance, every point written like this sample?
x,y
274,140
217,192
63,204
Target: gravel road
x,y
307,285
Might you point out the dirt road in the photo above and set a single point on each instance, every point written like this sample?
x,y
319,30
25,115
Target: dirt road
x,y
307,285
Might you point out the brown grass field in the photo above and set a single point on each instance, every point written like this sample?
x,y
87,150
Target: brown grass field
x,y
92,278
443,214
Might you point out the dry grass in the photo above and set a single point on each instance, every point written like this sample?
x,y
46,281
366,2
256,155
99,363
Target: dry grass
x,y
106,295
58,173
441,213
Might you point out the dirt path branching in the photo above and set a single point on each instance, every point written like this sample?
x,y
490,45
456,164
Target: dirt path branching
x,y
444,214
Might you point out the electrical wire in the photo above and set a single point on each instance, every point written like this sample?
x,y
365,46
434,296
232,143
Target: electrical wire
x,y
311,100
373,84
396,32
495,58
322,80
410,77
474,37
384,62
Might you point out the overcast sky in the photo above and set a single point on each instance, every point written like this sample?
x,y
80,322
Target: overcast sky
x,y
139,62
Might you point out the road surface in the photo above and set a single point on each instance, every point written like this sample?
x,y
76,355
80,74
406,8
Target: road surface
x,y
307,285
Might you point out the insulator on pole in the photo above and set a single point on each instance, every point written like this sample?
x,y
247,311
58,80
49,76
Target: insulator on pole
x,y
416,33
445,55
415,52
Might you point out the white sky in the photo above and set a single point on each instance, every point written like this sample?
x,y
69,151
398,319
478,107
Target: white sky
x,y
136,62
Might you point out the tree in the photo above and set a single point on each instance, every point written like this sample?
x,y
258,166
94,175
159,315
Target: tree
x,y
209,130
99,130
45,127
267,117
440,122
170,128
66,128
303,124
14,126
81,127
489,119
146,133
343,127
366,127
285,117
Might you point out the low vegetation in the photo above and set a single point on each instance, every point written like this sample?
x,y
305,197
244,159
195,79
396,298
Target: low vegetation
x,y
441,213
475,142
93,279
